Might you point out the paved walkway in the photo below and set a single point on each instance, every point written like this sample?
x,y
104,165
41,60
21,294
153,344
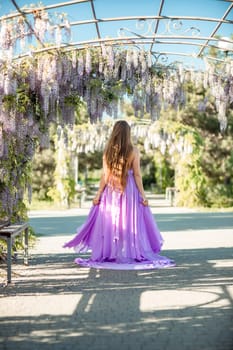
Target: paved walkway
x,y
54,304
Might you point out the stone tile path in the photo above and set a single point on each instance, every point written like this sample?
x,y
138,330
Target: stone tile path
x,y
54,304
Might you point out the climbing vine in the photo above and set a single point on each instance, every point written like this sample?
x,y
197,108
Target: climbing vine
x,y
36,92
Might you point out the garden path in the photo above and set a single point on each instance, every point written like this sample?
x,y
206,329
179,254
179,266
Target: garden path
x,y
54,304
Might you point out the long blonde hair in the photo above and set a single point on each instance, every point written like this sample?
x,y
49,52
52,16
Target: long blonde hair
x,y
117,154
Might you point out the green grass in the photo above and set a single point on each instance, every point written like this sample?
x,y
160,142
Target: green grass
x,y
214,209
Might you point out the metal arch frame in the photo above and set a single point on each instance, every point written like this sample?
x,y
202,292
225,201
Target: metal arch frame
x,y
40,8
128,40
131,40
217,27
159,17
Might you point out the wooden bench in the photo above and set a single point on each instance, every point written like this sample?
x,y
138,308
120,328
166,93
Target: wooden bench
x,y
8,232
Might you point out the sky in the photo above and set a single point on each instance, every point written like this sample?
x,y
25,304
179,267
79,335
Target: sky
x,y
119,8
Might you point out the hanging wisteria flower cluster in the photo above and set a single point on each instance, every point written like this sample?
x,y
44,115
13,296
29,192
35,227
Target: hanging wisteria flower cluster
x,y
93,137
220,81
49,85
40,90
23,32
103,77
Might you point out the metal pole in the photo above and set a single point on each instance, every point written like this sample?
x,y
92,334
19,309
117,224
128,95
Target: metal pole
x,y
26,246
9,245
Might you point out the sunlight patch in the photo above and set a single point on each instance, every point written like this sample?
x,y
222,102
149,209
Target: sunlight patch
x,y
222,263
37,305
174,299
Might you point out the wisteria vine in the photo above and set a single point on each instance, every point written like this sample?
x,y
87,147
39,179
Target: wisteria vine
x,y
41,90
45,88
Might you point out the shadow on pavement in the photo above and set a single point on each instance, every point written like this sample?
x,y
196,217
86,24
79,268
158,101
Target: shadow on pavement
x,y
126,309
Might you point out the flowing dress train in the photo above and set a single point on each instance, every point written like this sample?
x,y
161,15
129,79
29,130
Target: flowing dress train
x,y
120,232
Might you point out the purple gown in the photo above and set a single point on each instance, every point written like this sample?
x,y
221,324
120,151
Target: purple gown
x,y
120,232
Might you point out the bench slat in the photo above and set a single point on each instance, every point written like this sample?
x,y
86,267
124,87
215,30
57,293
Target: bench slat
x,y
13,229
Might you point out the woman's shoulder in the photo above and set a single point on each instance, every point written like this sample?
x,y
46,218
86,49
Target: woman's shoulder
x,y
134,155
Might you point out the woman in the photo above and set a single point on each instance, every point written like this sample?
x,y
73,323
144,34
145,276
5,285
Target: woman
x,y
120,229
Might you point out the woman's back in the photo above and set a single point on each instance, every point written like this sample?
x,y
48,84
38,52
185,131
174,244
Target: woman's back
x,y
112,179
120,230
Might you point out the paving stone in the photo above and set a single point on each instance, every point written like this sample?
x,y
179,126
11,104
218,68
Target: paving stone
x,y
54,304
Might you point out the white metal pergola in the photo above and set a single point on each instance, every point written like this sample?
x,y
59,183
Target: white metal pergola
x,y
162,34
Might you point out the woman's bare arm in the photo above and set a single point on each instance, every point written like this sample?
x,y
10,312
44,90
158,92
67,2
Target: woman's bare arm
x,y
138,176
102,183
